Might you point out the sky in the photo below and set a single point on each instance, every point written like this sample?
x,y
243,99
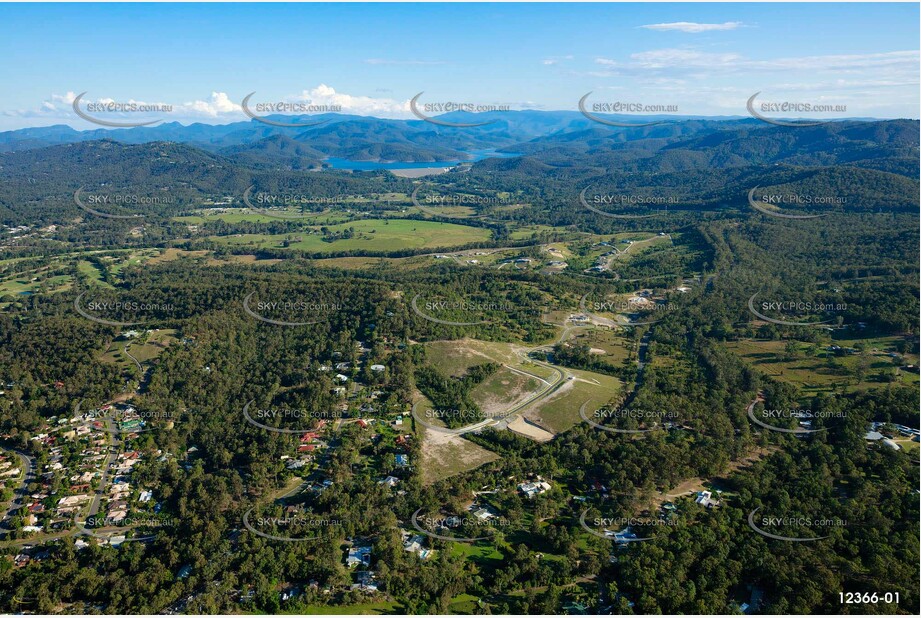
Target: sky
x,y
371,59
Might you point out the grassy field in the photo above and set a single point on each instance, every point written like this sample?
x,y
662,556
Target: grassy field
x,y
455,357
463,604
92,272
446,455
146,348
610,345
560,411
503,389
325,217
369,235
41,279
526,231
815,374
481,551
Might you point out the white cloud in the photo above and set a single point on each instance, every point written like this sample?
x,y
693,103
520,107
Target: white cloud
x,y
683,58
218,104
555,60
354,104
686,58
693,27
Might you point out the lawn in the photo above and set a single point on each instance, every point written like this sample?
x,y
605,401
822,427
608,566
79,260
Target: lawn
x,y
481,551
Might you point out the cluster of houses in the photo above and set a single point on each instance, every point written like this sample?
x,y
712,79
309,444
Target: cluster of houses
x,y
78,450
534,488
10,470
875,435
359,557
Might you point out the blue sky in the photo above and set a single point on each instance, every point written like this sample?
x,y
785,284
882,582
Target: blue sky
x,y
371,59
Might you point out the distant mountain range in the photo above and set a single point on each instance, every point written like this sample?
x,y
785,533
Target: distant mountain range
x,y
363,138
701,160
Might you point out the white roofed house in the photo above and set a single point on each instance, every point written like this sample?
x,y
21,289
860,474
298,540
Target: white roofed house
x,y
359,555
705,499
532,489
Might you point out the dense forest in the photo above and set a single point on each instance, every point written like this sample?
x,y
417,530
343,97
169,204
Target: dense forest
x,y
343,343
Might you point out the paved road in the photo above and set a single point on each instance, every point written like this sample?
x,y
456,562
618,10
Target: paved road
x,y
556,382
112,444
136,361
28,466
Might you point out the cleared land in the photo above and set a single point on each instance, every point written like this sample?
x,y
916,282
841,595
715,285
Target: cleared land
x,y
444,455
560,411
367,235
816,372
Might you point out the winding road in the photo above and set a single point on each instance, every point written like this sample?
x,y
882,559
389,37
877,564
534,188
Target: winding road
x,y
28,466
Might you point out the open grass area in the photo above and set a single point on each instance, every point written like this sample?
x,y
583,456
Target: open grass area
x,y
367,235
92,272
147,347
480,551
155,343
815,371
463,604
560,411
445,455
502,390
325,217
611,346
456,356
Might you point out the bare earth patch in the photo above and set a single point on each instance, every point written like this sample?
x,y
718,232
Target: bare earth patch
x,y
444,455
520,426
